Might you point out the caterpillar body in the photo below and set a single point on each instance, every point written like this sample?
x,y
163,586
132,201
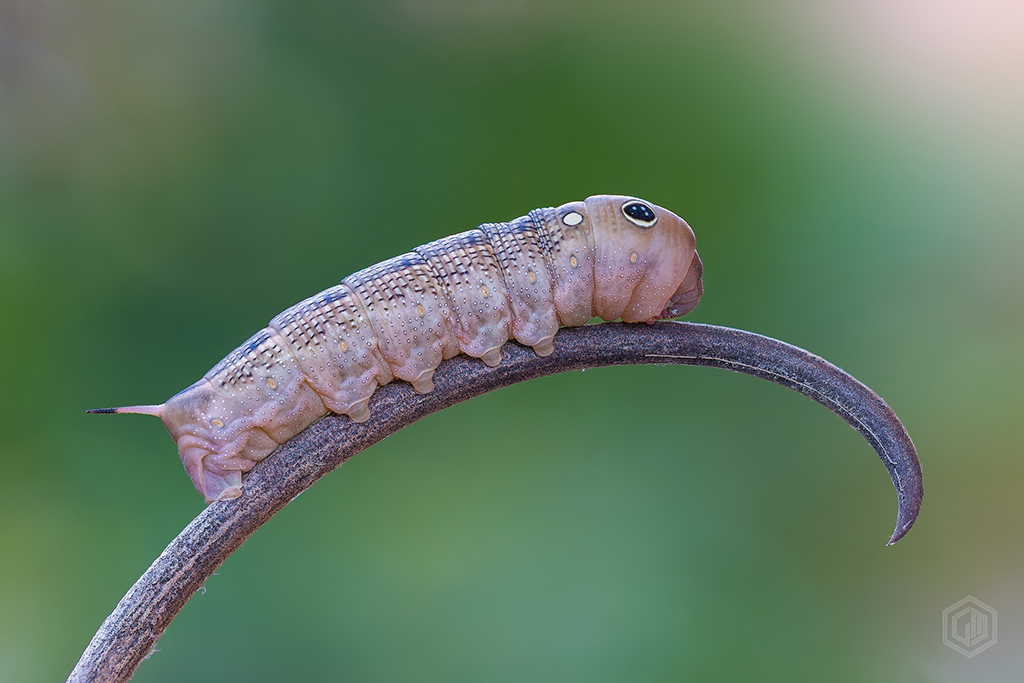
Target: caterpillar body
x,y
608,256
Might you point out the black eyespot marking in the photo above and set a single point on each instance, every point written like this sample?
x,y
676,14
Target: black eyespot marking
x,y
640,214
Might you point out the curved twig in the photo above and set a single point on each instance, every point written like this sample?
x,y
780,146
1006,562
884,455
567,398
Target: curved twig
x,y
127,635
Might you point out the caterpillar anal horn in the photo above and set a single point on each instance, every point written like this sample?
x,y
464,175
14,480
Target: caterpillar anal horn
x,y
156,411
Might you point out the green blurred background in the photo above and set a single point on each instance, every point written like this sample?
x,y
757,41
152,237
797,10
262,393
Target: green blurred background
x,y
174,174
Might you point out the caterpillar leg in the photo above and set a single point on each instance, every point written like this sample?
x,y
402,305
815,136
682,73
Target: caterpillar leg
x,y
359,412
544,347
492,357
424,384
216,469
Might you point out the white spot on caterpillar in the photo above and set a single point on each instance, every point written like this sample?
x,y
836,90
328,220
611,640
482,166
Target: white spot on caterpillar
x,y
574,262
572,218
632,257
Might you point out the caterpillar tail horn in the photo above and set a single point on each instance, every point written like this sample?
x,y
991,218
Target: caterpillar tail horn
x,y
136,410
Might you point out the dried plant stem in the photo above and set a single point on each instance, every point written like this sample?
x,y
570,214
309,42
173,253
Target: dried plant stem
x,y
127,635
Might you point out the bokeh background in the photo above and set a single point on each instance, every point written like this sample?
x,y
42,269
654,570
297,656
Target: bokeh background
x,y
174,174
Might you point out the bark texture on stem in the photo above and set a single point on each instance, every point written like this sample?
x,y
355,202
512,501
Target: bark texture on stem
x,y
140,618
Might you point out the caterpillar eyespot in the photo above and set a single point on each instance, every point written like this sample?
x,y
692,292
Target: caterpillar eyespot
x,y
299,368
640,214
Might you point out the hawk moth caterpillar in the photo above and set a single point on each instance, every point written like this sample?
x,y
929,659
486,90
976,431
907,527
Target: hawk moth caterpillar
x,y
609,256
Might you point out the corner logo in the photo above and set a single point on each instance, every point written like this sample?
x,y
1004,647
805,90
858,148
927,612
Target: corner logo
x,y
969,626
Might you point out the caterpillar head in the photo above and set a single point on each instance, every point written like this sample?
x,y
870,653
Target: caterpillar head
x,y
646,264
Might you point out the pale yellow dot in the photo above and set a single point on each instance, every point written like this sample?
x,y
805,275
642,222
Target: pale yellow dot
x,y
532,276
216,423
483,290
271,383
574,262
632,257
420,311
344,346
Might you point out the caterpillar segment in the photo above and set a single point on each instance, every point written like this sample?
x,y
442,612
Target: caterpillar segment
x,y
608,256
408,312
523,260
568,236
477,296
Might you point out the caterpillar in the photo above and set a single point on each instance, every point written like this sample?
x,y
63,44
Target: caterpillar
x,y
608,256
